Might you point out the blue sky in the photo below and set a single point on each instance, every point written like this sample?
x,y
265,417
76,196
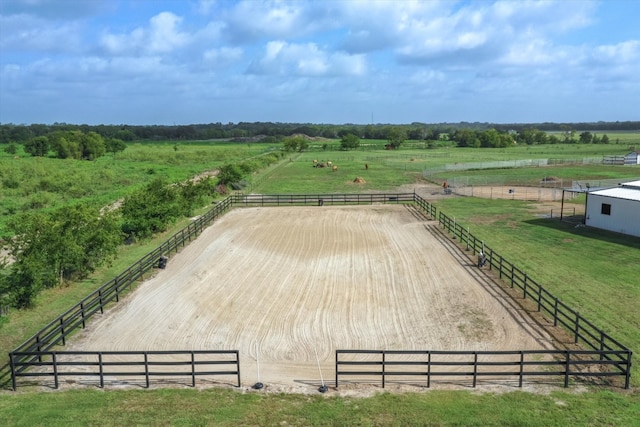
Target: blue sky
x,y
350,61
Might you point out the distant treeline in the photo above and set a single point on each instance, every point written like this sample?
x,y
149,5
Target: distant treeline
x,y
19,134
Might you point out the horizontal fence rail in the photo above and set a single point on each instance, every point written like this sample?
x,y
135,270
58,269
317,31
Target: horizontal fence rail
x,y
137,364
583,331
612,358
56,332
422,366
319,199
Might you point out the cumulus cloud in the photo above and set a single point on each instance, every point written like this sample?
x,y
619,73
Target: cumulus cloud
x,y
386,52
22,33
306,60
55,9
162,35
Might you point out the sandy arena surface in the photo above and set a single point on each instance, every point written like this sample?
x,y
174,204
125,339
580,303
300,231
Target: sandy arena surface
x,y
283,284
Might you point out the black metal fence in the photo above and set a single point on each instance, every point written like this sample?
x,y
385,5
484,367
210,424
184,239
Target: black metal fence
x,y
56,332
319,199
607,356
608,353
140,364
421,366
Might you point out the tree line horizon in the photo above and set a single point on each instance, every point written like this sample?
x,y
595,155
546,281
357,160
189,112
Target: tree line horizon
x,y
21,133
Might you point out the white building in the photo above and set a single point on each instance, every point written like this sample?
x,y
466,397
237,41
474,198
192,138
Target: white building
x,y
632,158
615,209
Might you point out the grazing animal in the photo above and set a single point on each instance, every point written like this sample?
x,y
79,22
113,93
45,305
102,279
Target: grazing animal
x,y
329,163
366,166
335,168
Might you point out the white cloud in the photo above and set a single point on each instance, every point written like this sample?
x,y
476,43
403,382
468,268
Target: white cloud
x,y
28,33
307,59
251,20
222,56
161,36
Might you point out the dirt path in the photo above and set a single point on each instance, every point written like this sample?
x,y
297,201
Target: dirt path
x,y
290,282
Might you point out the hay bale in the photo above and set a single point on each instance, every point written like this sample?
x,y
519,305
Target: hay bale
x,y
359,180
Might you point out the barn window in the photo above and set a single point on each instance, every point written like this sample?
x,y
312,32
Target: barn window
x,y
606,209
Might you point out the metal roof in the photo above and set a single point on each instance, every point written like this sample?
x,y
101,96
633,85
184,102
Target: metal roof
x,y
627,192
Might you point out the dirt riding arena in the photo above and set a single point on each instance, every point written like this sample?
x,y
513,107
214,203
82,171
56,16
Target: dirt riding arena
x,y
282,284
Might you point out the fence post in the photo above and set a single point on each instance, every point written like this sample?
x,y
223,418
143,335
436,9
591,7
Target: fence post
x,y
238,365
566,370
193,370
521,368
62,330
428,369
555,311
146,368
383,367
467,238
577,327
55,369
601,345
336,369
512,266
475,368
13,371
81,314
524,287
101,369
628,373
539,297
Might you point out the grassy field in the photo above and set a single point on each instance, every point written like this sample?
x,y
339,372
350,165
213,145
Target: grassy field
x,y
28,183
577,265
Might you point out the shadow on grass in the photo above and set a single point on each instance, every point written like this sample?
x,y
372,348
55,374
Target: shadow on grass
x,y
578,229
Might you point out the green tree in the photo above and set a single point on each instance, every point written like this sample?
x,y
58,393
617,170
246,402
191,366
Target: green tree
x,y
229,174
466,138
349,142
151,209
604,139
93,146
68,243
586,138
114,145
66,143
396,136
38,146
295,143
11,148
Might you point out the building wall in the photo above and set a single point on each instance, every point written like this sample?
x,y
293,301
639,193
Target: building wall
x,y
632,159
624,217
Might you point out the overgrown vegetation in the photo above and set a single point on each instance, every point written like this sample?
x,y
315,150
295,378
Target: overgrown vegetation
x,y
50,246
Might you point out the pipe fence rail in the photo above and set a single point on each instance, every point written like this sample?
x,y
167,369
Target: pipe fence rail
x,y
56,332
583,331
424,365
319,199
611,357
109,364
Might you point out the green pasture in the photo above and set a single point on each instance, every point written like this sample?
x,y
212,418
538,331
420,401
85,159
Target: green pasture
x,y
30,183
223,407
593,271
